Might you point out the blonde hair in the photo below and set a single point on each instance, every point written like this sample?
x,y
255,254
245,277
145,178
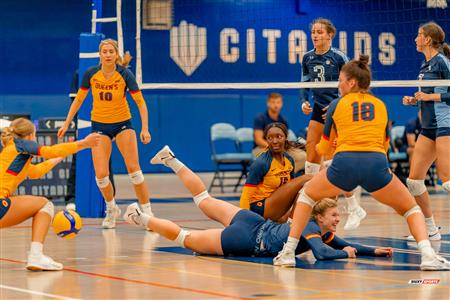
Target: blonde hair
x,y
437,35
321,207
327,23
123,61
18,129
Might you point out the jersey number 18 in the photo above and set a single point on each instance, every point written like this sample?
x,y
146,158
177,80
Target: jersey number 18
x,y
365,111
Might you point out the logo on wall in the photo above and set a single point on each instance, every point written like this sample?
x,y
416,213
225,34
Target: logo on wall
x,y
188,46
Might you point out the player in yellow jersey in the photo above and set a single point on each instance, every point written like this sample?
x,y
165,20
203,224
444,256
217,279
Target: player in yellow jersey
x,y
360,122
19,142
271,186
111,117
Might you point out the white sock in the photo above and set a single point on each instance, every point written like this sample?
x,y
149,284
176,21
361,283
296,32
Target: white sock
x,y
36,248
174,164
200,197
144,219
291,244
147,208
352,202
110,204
425,248
311,168
431,225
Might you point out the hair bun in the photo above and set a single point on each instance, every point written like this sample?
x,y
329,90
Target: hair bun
x,y
363,60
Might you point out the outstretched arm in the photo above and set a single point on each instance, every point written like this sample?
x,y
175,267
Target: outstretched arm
x,y
74,107
339,243
36,171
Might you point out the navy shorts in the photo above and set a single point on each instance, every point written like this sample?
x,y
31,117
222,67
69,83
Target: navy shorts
x,y
434,133
5,204
258,207
370,170
239,238
317,112
111,129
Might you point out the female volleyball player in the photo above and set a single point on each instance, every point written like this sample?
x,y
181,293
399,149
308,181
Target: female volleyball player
x,y
321,64
270,189
360,121
434,139
19,142
111,118
246,233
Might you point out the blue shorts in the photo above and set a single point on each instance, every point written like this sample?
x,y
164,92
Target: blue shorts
x,y
111,129
434,133
258,207
370,170
5,204
239,238
317,112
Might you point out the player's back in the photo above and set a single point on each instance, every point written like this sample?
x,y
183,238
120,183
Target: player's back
x,y
361,122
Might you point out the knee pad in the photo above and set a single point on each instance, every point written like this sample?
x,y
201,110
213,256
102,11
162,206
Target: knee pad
x,y
136,177
327,163
311,168
49,209
446,186
303,198
102,182
413,210
416,186
181,237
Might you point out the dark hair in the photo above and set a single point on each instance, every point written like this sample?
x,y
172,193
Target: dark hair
x,y
359,70
274,95
283,128
437,35
327,23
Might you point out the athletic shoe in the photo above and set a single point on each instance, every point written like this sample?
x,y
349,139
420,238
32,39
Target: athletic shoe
x,y
42,262
285,258
436,263
71,206
132,214
434,235
354,218
111,215
161,157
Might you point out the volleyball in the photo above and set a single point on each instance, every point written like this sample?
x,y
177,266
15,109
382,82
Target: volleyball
x,y
67,224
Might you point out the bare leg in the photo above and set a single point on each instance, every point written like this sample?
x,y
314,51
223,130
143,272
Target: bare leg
x,y
100,156
443,157
315,130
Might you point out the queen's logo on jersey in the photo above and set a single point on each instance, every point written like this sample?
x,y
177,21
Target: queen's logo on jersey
x,y
188,46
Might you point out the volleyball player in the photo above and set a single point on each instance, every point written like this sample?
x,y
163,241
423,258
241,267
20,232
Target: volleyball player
x,y
19,142
433,142
111,118
360,121
321,64
271,186
246,233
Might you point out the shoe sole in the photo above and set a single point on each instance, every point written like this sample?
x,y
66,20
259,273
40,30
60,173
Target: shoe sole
x,y
286,266
38,269
431,268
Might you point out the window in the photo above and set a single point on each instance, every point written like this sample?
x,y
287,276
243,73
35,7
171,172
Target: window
x,y
158,14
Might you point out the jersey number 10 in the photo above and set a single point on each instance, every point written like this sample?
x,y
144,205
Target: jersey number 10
x,y
365,111
105,96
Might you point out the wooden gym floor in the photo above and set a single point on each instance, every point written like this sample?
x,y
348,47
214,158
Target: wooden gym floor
x,y
130,263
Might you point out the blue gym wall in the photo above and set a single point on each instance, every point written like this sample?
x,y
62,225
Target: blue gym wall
x,y
40,48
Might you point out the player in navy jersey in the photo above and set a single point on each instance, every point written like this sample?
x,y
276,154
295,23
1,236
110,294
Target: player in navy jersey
x,y
434,139
321,64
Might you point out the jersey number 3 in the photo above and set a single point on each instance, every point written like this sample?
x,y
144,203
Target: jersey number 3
x,y
365,111
320,70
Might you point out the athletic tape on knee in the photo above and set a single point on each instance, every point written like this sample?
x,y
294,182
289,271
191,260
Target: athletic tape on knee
x,y
413,210
102,182
49,209
181,237
200,197
136,177
416,186
446,186
327,163
303,198
311,168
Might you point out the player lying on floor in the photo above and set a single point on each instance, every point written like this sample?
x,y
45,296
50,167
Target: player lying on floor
x,y
246,233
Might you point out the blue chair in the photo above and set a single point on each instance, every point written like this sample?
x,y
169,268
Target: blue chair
x,y
224,136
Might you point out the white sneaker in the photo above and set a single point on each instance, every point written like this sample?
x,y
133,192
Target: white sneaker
x,y
436,263
132,214
42,263
71,206
434,235
285,258
111,215
162,155
354,218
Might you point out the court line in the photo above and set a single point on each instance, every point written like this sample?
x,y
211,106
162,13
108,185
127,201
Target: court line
x,y
7,287
160,285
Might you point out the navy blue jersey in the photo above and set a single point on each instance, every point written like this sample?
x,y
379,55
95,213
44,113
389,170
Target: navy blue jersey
x,y
435,114
263,119
318,68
